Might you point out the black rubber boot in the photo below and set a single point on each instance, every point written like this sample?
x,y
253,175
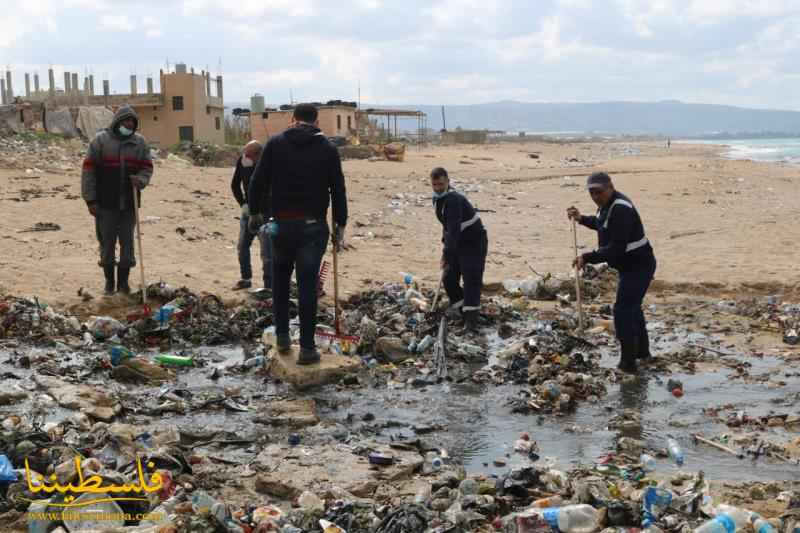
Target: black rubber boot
x,y
122,280
109,273
308,356
643,346
627,355
284,343
470,321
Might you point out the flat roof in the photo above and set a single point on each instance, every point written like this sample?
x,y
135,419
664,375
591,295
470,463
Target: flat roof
x,y
389,111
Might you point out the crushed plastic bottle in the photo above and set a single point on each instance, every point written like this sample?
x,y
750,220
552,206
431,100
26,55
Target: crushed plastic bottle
x,y
741,517
423,494
675,451
544,503
269,336
719,524
656,502
258,360
119,354
648,462
425,343
760,525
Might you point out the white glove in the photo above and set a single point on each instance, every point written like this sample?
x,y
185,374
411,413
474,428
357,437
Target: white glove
x,y
245,210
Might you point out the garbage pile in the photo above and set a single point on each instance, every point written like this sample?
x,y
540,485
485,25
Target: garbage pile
x,y
204,154
35,155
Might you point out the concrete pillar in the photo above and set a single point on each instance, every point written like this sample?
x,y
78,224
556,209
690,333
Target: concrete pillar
x,y
67,81
74,86
52,79
36,83
149,85
106,92
9,88
86,90
91,84
27,85
219,87
208,84
3,91
133,84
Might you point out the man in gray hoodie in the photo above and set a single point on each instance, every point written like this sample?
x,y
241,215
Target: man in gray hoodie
x,y
117,162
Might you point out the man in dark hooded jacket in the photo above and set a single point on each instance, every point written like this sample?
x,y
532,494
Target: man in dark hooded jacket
x,y
299,174
117,162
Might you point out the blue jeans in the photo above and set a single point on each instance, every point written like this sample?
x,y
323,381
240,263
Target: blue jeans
x,y
245,241
300,245
629,319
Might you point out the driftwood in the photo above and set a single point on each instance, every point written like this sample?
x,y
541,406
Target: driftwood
x,y
719,446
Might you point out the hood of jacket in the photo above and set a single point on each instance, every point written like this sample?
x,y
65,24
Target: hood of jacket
x,y
123,113
303,134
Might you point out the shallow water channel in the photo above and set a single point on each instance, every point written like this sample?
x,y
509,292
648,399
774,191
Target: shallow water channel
x,y
471,421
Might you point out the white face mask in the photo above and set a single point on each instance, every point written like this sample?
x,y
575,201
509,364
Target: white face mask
x,y
247,162
125,132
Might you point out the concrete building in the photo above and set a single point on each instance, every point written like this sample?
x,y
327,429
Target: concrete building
x,y
334,121
189,107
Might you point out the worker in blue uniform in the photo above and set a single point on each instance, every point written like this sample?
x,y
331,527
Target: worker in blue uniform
x,y
623,244
465,246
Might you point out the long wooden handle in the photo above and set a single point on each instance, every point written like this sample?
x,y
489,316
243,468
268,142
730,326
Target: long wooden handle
x,y
438,291
577,277
336,318
139,240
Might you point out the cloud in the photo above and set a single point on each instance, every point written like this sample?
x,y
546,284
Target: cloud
x,y
116,23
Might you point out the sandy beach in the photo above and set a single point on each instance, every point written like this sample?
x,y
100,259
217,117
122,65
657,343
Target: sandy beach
x,y
716,224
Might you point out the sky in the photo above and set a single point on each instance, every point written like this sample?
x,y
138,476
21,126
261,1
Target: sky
x,y
735,52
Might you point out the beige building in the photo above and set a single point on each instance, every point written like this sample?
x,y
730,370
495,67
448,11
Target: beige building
x,y
185,109
334,121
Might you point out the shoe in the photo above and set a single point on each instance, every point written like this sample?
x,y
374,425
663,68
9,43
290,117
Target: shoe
x,y
470,321
308,356
643,347
109,273
243,284
627,355
122,280
283,343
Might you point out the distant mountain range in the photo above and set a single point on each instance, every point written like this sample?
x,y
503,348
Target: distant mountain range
x,y
668,118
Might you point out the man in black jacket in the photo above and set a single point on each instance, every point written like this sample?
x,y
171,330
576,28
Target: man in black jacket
x,y
625,247
240,185
465,246
302,174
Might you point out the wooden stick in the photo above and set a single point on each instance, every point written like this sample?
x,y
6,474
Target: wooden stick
x,y
336,317
438,291
139,239
719,446
577,278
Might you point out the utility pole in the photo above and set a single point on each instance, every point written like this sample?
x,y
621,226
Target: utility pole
x,y
444,121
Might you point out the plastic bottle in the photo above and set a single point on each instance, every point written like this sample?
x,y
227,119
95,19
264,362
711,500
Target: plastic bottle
x,y
741,517
202,502
656,501
675,451
648,462
407,278
258,360
425,343
437,463
270,337
119,353
165,313
176,360
423,494
760,525
572,518
719,524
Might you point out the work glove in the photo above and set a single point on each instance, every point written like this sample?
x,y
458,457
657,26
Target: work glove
x,y
338,238
255,222
92,208
245,210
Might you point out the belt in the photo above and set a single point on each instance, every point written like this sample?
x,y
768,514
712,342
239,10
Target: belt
x,y
297,219
631,246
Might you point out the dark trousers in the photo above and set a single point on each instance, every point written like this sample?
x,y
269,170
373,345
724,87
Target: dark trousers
x,y
112,226
468,263
300,245
245,242
629,318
